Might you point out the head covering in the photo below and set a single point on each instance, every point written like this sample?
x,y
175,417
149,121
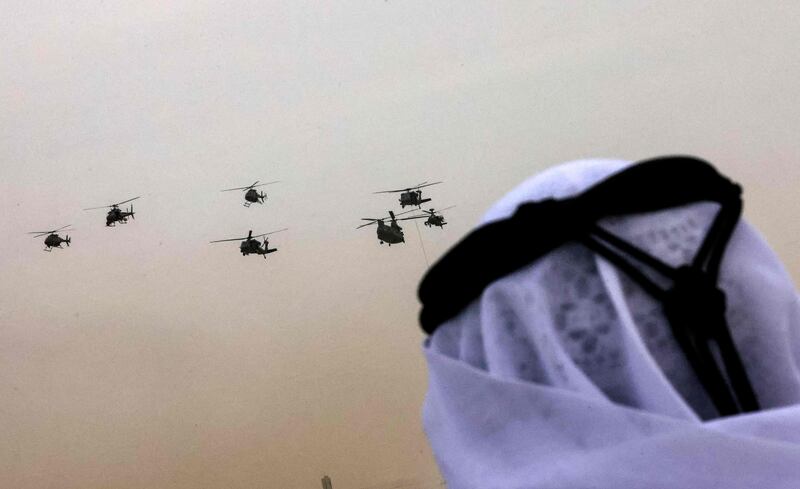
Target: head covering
x,y
565,373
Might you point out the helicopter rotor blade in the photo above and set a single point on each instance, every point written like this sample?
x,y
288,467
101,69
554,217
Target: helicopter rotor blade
x,y
423,185
42,233
435,212
112,205
374,221
59,229
124,201
415,187
412,217
239,188
271,232
394,191
230,239
262,184
254,185
406,212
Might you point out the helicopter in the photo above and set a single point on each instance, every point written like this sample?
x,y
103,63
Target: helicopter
x,y
252,195
411,195
390,233
115,214
434,219
250,245
53,240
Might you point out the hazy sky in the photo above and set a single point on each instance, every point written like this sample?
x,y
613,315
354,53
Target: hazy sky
x,y
143,357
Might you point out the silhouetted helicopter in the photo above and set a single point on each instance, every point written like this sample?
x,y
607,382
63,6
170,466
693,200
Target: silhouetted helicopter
x,y
53,240
252,195
250,245
434,219
115,214
411,195
390,233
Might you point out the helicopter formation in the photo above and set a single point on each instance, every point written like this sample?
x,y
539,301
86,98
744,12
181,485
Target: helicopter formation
x,y
392,233
114,215
389,233
249,245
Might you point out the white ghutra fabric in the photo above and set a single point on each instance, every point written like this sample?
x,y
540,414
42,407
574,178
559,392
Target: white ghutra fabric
x,y
565,374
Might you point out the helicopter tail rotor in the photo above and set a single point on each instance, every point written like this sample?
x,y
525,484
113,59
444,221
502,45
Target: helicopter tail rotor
x,y
67,240
262,197
131,211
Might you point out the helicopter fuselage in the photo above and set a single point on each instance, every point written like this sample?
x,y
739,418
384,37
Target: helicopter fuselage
x,y
253,196
117,215
435,220
413,197
54,241
391,233
253,246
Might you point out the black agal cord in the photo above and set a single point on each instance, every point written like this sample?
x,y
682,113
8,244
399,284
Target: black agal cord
x,y
694,305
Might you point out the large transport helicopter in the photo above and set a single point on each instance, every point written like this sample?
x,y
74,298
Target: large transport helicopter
x,y
411,195
115,214
251,246
434,218
53,240
390,233
251,195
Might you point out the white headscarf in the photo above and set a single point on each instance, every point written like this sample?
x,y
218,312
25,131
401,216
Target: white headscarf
x,y
565,374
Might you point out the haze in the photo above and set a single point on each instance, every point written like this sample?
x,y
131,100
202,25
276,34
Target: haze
x,y
143,357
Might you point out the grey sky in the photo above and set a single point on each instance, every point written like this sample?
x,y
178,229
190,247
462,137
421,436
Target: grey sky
x,y
144,357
